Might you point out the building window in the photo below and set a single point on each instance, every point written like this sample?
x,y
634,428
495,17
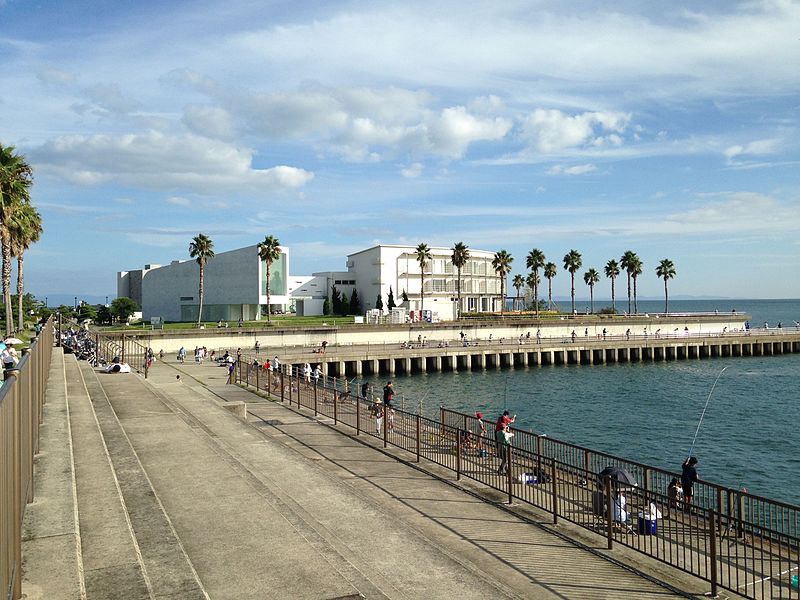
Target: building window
x,y
187,298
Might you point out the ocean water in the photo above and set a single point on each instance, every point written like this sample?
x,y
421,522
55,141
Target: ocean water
x,y
649,412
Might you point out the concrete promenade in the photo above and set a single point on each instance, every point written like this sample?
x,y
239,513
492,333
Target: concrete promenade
x,y
152,489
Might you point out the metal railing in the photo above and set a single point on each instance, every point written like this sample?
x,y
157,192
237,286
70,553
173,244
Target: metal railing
x,y
729,538
128,350
22,398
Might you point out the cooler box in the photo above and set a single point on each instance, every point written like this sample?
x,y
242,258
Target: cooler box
x,y
648,526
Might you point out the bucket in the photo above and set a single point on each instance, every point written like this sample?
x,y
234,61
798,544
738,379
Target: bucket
x,y
648,526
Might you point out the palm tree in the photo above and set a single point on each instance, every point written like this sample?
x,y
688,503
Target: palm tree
x,y
590,278
269,251
550,271
16,178
534,262
423,254
25,228
533,281
501,263
612,272
666,271
627,262
635,272
201,248
519,283
460,259
573,262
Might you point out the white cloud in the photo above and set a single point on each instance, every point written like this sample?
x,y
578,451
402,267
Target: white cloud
x,y
455,129
209,121
179,201
411,171
754,148
157,161
553,130
573,170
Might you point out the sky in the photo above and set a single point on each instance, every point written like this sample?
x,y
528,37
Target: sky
x,y
666,128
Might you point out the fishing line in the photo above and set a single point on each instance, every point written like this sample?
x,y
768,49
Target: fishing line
x,y
703,414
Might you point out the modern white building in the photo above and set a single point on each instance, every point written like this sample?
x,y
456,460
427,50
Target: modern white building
x,y
382,267
235,285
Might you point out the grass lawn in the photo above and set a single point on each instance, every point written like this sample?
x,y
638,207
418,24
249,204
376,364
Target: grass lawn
x,y
277,321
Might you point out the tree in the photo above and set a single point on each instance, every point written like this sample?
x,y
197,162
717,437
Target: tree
x,y
627,262
612,272
390,304
423,254
666,271
534,262
501,263
336,301
518,284
379,303
573,262
25,228
590,278
269,251
404,296
326,307
533,280
635,272
16,178
123,308
550,271
460,258
201,248
344,305
355,303
104,315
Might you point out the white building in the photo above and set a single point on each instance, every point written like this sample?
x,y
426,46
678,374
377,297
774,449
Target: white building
x,y
235,286
382,267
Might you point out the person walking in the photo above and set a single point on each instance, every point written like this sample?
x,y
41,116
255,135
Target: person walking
x,y
307,373
231,369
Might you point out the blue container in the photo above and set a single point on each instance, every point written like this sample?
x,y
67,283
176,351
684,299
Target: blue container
x,y
648,526
795,582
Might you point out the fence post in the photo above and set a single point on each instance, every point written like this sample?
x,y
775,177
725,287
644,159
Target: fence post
x,y
316,385
122,358
58,341
385,410
358,417
283,387
609,512
418,436
510,474
539,454
587,462
335,405
458,454
712,541
555,491
739,515
258,387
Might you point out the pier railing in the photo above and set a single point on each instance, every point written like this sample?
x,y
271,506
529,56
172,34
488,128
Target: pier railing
x,y
734,540
22,398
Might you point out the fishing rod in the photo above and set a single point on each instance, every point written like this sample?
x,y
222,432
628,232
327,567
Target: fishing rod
x,y
703,414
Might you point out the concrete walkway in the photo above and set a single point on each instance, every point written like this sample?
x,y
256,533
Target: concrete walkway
x,y
199,504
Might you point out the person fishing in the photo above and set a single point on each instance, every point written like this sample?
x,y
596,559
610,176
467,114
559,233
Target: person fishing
x,y
688,477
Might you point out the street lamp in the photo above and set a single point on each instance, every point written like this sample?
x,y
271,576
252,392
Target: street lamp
x,y
106,300
76,303
45,301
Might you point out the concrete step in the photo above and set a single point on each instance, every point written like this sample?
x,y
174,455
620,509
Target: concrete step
x,y
52,566
162,563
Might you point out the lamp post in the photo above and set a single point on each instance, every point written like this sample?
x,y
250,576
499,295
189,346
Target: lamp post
x,y
45,301
106,300
76,303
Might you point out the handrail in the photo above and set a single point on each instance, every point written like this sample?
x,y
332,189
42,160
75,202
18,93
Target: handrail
x,y
22,398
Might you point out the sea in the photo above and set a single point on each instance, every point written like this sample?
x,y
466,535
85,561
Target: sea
x,y
650,412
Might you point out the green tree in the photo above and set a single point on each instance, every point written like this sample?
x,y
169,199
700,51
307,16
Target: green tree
x,y
534,262
326,307
355,303
123,308
336,300
379,303
201,248
666,271
423,254
550,271
16,178
532,281
459,258
635,272
612,272
87,312
269,251
104,315
628,262
25,228
591,278
501,263
518,284
573,262
390,304
344,305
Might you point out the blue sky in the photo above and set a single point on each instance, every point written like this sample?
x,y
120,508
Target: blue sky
x,y
667,128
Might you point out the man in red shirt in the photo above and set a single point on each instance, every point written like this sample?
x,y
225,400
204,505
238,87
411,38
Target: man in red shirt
x,y
502,421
